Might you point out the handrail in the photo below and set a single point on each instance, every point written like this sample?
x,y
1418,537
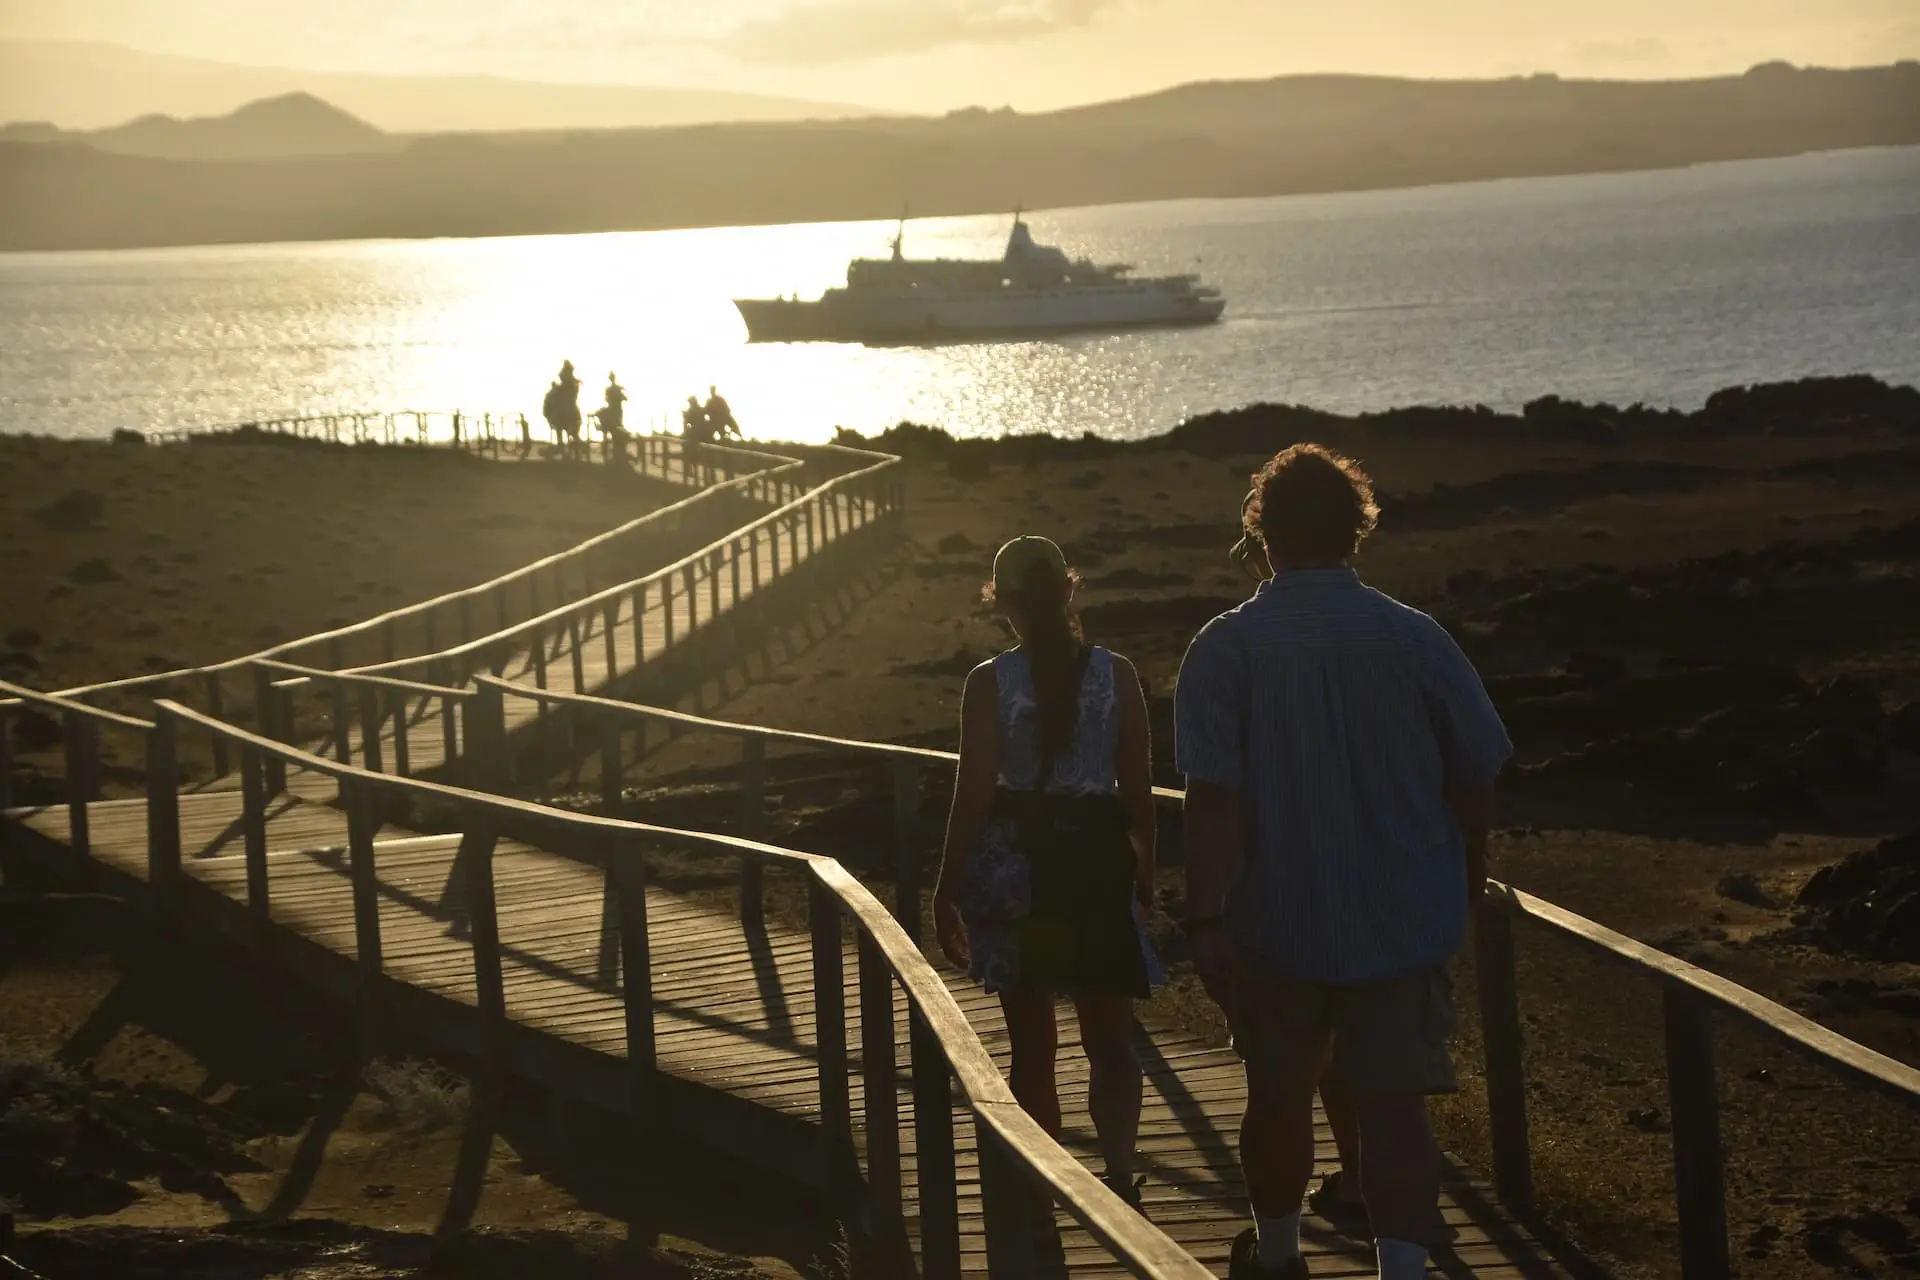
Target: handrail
x,y
894,751
1796,1030
304,673
15,694
799,737
1006,1131
470,593
599,599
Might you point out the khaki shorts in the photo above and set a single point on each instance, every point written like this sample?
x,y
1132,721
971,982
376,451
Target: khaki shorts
x,y
1383,1037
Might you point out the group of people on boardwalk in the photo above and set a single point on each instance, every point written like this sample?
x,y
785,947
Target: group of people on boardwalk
x,y
561,408
1340,754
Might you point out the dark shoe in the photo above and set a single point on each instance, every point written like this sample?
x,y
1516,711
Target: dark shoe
x,y
1241,1264
1348,1217
1128,1190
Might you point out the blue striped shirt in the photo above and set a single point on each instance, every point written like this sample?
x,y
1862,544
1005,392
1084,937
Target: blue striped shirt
x,y
1339,715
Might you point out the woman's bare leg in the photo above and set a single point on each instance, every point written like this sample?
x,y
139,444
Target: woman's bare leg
x,y
1113,1092
1034,1038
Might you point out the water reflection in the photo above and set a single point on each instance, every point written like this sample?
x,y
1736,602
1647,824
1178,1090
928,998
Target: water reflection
x,y
1658,287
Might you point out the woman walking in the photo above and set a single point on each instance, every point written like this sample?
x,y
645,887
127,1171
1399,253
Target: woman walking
x,y
1049,855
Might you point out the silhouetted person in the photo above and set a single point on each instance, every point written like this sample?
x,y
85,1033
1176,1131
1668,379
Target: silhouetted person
x,y
613,420
720,416
562,410
694,424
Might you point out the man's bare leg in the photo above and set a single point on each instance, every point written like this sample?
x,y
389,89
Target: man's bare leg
x,y
1400,1177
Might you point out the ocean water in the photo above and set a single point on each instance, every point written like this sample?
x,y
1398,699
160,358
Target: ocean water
x,y
1658,287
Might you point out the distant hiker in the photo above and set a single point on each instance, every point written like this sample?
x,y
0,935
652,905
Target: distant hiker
x,y
694,424
561,408
612,418
720,416
526,437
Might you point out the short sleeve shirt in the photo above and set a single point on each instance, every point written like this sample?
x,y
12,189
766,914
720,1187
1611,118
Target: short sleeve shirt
x,y
1340,715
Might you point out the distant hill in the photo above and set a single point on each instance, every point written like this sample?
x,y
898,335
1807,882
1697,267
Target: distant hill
x,y
80,85
295,124
1295,134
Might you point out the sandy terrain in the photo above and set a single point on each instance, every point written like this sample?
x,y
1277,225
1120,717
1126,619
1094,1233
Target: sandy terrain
x,y
199,553
1704,631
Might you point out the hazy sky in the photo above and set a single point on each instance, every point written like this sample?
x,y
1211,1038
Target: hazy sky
x,y
930,55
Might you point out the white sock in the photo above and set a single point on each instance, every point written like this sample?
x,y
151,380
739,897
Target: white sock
x,y
1400,1259
1279,1239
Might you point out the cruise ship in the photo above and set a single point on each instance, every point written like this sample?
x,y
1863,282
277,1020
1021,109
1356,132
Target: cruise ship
x,y
1031,289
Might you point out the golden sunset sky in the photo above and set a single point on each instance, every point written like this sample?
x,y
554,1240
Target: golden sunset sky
x,y
933,55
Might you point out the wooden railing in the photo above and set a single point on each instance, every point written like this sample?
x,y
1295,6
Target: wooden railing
x,y
1691,997
1016,1155
719,474
720,584
1691,1000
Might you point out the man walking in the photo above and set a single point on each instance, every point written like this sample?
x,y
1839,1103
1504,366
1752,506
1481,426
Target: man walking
x,y
1340,754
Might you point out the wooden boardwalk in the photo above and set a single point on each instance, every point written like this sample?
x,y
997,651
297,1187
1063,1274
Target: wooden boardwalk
x,y
732,1013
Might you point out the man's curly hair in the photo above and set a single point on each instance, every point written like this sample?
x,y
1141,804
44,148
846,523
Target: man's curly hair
x,y
1311,505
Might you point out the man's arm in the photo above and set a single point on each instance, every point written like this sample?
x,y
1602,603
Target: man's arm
x,y
1211,840
1472,805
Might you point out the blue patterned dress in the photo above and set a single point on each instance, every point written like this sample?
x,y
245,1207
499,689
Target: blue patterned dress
x,y
1085,768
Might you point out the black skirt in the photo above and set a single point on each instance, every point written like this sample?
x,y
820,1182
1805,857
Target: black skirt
x,y
1080,933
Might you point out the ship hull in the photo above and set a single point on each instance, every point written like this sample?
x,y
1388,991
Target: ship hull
x,y
890,320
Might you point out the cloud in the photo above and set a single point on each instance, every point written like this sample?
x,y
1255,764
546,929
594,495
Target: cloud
x,y
1642,52
850,30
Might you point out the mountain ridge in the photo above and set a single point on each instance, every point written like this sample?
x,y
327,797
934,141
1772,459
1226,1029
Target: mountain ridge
x,y
1288,135
82,86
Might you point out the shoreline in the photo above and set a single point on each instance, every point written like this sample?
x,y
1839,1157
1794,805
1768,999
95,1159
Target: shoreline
x,y
1545,172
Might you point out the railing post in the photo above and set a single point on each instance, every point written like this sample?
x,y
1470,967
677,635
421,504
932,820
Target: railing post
x,y
1693,1092
713,584
6,760
840,1174
636,980
216,707
1008,1206
264,718
906,846
83,776
163,807
878,1071
342,721
449,730
1502,1045
639,627
610,770
370,725
253,827
609,618
483,928
689,580
579,657
753,816
933,1141
361,828
485,748
402,749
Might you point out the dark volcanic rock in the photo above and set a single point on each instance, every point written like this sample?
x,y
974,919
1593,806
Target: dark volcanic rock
x,y
1868,904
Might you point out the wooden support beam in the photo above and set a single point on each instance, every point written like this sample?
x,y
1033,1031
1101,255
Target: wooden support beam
x,y
1698,1168
1501,1043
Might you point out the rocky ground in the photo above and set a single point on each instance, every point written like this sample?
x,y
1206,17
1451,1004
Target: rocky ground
x,y
1704,632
